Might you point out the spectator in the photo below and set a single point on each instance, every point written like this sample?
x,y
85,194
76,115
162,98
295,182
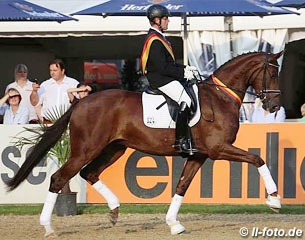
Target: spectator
x,y
13,112
52,94
24,87
82,90
303,113
261,115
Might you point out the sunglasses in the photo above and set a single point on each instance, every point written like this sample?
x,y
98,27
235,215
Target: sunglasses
x,y
10,97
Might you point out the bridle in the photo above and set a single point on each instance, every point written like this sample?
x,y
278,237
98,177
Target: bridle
x,y
263,93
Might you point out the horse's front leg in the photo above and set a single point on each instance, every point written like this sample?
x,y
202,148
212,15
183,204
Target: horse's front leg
x,y
190,169
232,153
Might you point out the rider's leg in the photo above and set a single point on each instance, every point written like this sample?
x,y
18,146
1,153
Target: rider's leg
x,y
183,134
176,91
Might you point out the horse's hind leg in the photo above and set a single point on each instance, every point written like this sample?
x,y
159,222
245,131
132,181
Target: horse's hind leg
x,y
46,214
58,180
92,171
189,171
232,153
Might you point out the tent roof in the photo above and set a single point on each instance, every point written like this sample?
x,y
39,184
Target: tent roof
x,y
97,25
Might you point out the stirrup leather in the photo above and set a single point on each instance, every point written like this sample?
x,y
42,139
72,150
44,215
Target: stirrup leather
x,y
185,146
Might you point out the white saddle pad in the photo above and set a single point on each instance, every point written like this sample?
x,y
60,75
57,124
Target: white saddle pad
x,y
160,118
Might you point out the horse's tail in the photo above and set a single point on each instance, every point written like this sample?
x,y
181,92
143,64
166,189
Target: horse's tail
x,y
48,139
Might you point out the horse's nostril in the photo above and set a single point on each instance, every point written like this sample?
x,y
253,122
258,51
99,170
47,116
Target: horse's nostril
x,y
275,108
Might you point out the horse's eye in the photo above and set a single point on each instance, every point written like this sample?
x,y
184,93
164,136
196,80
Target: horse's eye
x,y
273,75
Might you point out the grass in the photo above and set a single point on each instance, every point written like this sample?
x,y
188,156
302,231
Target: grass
x,y
33,209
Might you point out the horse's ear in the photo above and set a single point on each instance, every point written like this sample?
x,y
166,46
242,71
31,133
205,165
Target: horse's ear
x,y
275,56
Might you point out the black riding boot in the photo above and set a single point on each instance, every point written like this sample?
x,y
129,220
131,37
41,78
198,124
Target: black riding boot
x,y
183,142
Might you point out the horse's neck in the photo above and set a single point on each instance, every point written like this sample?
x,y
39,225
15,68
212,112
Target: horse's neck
x,y
234,81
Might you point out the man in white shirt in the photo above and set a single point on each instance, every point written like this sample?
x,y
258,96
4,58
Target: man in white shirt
x,y
261,115
52,94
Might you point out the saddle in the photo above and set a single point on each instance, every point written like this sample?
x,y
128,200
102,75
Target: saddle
x,y
160,111
173,107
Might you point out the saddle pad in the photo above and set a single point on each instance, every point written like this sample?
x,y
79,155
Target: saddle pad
x,y
160,118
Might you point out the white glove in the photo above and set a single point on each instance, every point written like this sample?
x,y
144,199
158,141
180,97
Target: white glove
x,y
188,74
191,68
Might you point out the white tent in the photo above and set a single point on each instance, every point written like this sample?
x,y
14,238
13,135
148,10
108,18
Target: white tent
x,y
95,36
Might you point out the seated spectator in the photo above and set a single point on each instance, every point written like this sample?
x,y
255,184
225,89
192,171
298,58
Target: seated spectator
x,y
261,115
303,113
82,90
13,112
24,87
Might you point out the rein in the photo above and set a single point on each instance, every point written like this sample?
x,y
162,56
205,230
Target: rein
x,y
203,81
261,94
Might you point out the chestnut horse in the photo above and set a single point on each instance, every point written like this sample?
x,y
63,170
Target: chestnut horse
x,y
103,125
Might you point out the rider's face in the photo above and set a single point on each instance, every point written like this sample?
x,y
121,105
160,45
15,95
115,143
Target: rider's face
x,y
164,23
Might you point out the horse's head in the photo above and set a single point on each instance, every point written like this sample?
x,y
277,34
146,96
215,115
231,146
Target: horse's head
x,y
266,82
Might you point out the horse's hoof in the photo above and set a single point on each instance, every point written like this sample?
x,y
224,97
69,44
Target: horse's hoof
x,y
274,202
276,210
176,228
113,216
50,235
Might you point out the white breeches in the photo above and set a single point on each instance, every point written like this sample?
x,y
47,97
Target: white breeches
x,y
175,91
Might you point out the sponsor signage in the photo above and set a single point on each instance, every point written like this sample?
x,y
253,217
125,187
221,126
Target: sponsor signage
x,y
141,178
35,187
101,73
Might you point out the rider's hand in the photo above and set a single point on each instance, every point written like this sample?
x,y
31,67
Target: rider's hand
x,y
188,74
191,68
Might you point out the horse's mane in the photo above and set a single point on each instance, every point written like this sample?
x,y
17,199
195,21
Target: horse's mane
x,y
241,55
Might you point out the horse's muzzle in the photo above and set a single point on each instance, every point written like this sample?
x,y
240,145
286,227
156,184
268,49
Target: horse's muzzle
x,y
274,109
271,107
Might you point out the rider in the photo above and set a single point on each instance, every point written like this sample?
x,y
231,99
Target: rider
x,y
163,73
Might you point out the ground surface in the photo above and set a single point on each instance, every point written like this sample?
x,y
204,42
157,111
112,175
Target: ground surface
x,y
150,226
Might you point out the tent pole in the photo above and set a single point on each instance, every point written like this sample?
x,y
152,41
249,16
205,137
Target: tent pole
x,y
228,20
184,37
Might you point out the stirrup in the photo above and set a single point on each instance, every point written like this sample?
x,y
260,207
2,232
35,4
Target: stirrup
x,y
185,146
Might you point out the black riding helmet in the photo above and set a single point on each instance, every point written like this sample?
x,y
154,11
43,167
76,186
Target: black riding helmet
x,y
158,11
